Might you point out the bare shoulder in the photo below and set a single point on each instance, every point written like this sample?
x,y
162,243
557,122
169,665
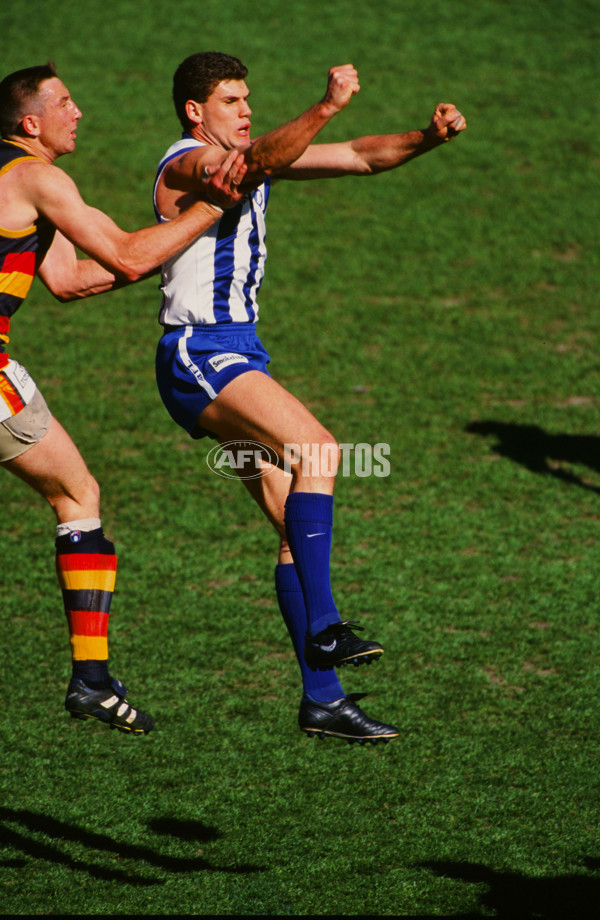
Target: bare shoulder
x,y
26,187
38,178
51,193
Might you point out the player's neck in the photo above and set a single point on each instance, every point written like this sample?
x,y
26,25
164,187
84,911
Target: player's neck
x,y
33,146
199,134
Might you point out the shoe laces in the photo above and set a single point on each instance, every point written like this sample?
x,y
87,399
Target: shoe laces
x,y
344,625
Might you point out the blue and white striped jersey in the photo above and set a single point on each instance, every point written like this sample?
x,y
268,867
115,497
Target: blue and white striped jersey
x,y
218,277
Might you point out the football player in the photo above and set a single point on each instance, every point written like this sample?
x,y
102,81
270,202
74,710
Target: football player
x,y
212,367
43,218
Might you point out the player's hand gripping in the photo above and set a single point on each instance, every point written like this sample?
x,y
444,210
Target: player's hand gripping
x,y
222,181
342,84
446,122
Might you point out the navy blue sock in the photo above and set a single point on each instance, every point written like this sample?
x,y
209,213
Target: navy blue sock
x,y
308,526
320,686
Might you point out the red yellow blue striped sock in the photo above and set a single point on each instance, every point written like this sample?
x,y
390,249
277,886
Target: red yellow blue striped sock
x,y
86,565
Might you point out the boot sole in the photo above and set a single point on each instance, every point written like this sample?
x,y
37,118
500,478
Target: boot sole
x,y
122,728
356,660
351,739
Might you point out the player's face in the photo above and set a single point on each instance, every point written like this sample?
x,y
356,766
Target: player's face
x,y
226,115
58,119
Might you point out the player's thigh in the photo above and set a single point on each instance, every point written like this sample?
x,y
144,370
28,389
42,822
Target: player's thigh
x,y
256,407
54,467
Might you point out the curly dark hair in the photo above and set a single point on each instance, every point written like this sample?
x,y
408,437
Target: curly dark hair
x,y
197,76
18,93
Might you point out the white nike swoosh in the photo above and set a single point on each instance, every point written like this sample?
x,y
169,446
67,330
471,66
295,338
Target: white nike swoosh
x,y
328,648
320,534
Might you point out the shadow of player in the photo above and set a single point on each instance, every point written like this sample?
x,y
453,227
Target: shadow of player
x,y
512,896
540,452
20,830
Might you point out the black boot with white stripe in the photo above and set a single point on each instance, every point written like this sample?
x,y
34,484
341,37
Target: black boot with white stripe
x,y
108,705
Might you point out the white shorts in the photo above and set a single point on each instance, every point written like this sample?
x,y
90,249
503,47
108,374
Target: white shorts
x,y
24,415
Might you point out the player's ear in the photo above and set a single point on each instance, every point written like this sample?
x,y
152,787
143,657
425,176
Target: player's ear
x,y
193,110
31,125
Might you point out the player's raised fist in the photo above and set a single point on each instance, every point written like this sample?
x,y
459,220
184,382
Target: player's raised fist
x,y
342,84
446,122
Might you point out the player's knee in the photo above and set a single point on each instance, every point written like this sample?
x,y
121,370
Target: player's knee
x,y
320,459
331,454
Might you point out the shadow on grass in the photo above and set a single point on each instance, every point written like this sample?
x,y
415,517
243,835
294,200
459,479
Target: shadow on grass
x,y
541,452
516,897
17,828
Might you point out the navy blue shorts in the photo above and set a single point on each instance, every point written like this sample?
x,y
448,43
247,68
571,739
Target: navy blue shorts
x,y
194,363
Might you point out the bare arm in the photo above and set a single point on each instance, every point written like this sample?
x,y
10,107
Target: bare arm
x,y
71,278
277,149
118,257
365,156
271,152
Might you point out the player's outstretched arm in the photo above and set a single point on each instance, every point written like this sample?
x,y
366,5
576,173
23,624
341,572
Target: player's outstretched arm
x,y
118,257
271,152
279,148
364,156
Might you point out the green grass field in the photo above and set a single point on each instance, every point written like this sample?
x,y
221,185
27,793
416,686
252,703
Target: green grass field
x,y
448,309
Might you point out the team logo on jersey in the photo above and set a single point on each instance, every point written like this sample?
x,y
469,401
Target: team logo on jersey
x,y
242,460
218,362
